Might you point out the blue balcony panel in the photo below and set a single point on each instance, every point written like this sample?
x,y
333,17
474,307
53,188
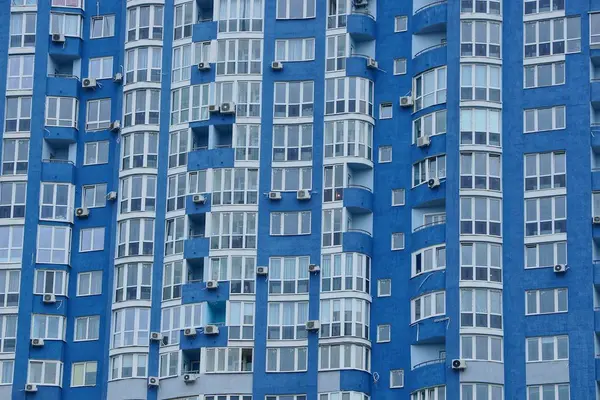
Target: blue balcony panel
x,y
280,383
65,85
204,31
51,350
69,50
202,340
353,380
596,272
597,368
45,392
196,248
358,200
596,180
292,71
213,158
431,17
429,331
357,241
196,292
357,66
198,77
595,94
423,195
437,143
192,208
361,26
216,118
430,57
595,134
290,28
60,134
427,282
432,373
53,171
428,236
597,320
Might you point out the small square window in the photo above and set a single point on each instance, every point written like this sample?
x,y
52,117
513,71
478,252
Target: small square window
x,y
398,241
397,378
400,66
385,154
384,287
383,333
401,23
385,111
398,197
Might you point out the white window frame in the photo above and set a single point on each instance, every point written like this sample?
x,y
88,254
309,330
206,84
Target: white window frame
x,y
534,298
386,110
398,241
183,20
480,260
431,393
492,7
383,153
181,63
96,239
138,336
471,89
384,333
107,26
96,118
11,250
594,29
53,210
10,290
400,23
481,348
57,279
180,144
469,210
558,34
246,139
240,17
274,362
339,99
437,96
480,123
66,24
337,50
169,364
396,378
28,23
130,155
428,259
536,391
87,379
428,306
558,119
175,235
239,271
292,142
234,186
174,319
94,196
473,46
281,326
18,116
153,28
429,125
283,49
398,197
143,64
96,153
380,291
493,392
130,286
173,280
8,334
138,193
89,283
345,272
70,103
240,320
559,254
12,199
333,357
284,9
138,362
344,317
56,253
531,74
222,235
126,244
305,104
558,219
87,333
555,171
540,341
288,275
400,66
221,356
471,176
142,107
239,57
469,306
280,219
20,70
6,371
58,371
44,323
349,138
291,179
100,67
426,168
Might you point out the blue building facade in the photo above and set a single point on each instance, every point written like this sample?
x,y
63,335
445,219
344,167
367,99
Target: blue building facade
x,y
300,199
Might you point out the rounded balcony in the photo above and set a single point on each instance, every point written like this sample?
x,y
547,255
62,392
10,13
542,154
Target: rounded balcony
x,y
361,26
427,373
430,17
358,199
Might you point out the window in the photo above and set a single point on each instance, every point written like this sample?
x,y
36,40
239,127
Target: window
x,y
239,56
46,372
145,22
146,103
552,36
238,270
397,241
130,327
349,138
6,371
428,305
551,391
133,281
481,262
102,27
140,150
344,317
235,186
100,68
430,88
8,333
287,320
480,83
98,115
545,171
540,6
480,171
385,110
288,275
94,195
385,154
484,7
544,255
396,378
434,393
478,391
48,327
124,366
228,359
545,119
143,64
182,60
546,301
136,237
332,227
241,320
183,20
246,139
202,51
480,308
336,53
62,111
66,24
12,199
287,359
46,281
479,126
294,99
18,117
480,216
20,72
542,75
53,244
290,223
172,280
84,373
594,29
429,168
91,239
66,3
398,197
10,281
87,328
384,287
281,397
400,23
11,244
169,364
138,193
174,319
345,271
179,146
292,142
384,333
291,179
174,235
547,348
349,95
336,13
233,230
545,216
176,192
235,16
481,348
400,66
429,259
89,283
295,9
96,153
480,39
346,356
197,182
295,49
56,201
22,29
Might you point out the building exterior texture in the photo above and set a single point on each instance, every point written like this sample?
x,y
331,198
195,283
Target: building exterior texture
x,y
300,199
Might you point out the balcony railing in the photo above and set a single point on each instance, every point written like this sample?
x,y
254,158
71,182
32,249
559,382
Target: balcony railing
x,y
430,362
442,220
359,231
353,185
58,161
426,49
426,6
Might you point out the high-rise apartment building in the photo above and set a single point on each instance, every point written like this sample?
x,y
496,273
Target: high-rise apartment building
x,y
300,199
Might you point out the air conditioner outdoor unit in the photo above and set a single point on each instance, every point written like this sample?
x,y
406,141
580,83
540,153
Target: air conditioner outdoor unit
x,y
211,330
190,378
262,270
433,183
189,332
596,219
303,194
277,65
203,66
115,125
313,325
227,108
153,381
31,387
560,268
111,196
37,342
58,38
118,77
213,108
423,141
212,284
82,212
88,83
155,336
313,268
372,63
49,299
406,101
274,195
198,199
459,364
